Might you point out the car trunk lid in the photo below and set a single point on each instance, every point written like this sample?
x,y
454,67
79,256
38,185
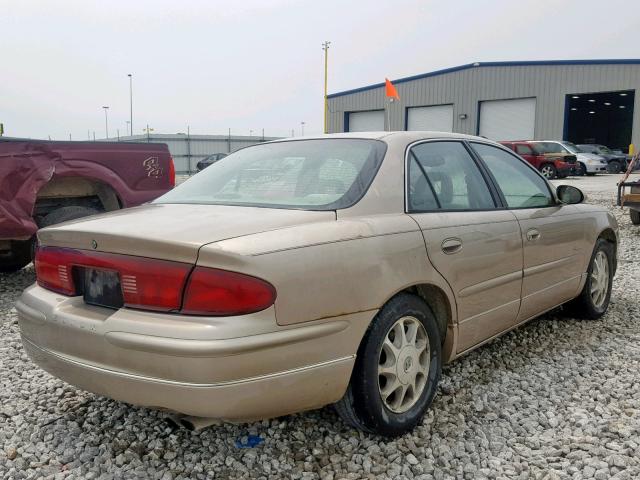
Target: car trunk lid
x,y
172,231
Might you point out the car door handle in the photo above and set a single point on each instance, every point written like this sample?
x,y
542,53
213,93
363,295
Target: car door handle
x,y
533,235
451,245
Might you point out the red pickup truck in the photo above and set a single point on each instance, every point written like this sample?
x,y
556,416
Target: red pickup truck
x,y
550,165
46,182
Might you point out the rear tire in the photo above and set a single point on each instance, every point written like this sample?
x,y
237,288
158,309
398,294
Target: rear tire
x,y
17,257
64,214
635,216
594,299
397,369
548,171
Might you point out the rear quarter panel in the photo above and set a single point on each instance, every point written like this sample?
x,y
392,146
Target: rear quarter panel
x,y
329,269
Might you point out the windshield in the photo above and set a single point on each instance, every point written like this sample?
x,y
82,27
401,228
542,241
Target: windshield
x,y
572,148
324,174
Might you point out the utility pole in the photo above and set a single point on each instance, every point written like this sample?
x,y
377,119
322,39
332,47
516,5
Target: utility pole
x,y
302,128
325,47
94,136
69,137
106,121
129,132
118,133
131,101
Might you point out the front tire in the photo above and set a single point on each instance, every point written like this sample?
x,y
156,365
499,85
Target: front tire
x,y
397,369
635,216
614,167
580,169
594,299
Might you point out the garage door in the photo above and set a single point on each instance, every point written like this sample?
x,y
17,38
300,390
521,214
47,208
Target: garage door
x,y
437,118
508,119
372,121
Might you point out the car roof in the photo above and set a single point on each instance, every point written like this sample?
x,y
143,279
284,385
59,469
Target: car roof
x,y
408,136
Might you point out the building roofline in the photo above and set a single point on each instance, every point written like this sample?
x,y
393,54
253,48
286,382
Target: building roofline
x,y
523,63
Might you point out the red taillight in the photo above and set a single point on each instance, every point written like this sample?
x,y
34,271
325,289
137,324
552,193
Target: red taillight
x,y
172,172
146,283
152,284
219,292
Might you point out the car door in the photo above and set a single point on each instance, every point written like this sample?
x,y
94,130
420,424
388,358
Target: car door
x,y
552,232
473,245
525,152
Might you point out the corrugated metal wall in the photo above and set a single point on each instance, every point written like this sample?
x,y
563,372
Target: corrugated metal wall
x,y
188,150
466,88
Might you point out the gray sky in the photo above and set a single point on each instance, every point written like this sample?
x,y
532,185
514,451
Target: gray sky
x,y
259,64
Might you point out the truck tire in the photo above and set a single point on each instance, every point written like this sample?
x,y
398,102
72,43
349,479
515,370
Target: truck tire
x,y
635,216
19,256
63,214
548,171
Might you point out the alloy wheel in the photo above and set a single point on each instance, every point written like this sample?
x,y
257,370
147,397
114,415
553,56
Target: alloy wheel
x,y
599,279
547,172
403,364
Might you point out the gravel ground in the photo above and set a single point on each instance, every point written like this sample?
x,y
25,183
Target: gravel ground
x,y
558,398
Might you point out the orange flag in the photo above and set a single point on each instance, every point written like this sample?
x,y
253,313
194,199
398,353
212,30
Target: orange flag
x,y
390,90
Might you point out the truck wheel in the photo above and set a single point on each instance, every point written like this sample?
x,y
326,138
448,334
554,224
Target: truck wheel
x,y
548,171
635,216
63,214
17,257
397,369
614,167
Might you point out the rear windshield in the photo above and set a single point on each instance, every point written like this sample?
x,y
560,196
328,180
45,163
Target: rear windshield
x,y
325,174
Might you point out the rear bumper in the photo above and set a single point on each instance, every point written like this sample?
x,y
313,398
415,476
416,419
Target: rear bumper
x,y
233,368
245,400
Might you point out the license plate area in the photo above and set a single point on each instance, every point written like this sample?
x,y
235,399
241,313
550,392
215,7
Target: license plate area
x,y
100,287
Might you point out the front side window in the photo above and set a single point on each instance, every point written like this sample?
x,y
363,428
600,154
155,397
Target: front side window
x,y
443,176
304,174
521,186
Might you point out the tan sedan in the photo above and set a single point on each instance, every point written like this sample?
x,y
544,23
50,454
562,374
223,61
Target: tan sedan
x,y
290,275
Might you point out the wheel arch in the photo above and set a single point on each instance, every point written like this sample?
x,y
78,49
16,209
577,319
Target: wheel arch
x,y
609,235
443,308
70,187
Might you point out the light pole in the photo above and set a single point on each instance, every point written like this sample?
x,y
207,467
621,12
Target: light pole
x,y
106,121
129,132
325,47
131,101
302,127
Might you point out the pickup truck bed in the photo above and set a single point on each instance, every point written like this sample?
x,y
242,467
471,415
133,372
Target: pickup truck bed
x,y
46,182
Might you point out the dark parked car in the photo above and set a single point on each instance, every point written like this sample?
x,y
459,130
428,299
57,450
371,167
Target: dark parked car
x,y
616,162
550,165
210,160
43,183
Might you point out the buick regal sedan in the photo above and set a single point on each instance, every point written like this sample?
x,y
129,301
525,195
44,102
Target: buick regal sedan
x,y
344,269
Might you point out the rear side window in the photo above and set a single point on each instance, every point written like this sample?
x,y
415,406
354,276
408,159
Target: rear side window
x,y
523,150
521,186
443,176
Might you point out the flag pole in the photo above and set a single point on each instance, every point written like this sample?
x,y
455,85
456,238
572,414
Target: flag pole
x,y
389,114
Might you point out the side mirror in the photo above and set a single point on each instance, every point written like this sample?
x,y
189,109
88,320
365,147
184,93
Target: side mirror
x,y
569,194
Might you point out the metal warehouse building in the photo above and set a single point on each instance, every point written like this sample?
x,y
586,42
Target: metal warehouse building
x,y
188,150
583,101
